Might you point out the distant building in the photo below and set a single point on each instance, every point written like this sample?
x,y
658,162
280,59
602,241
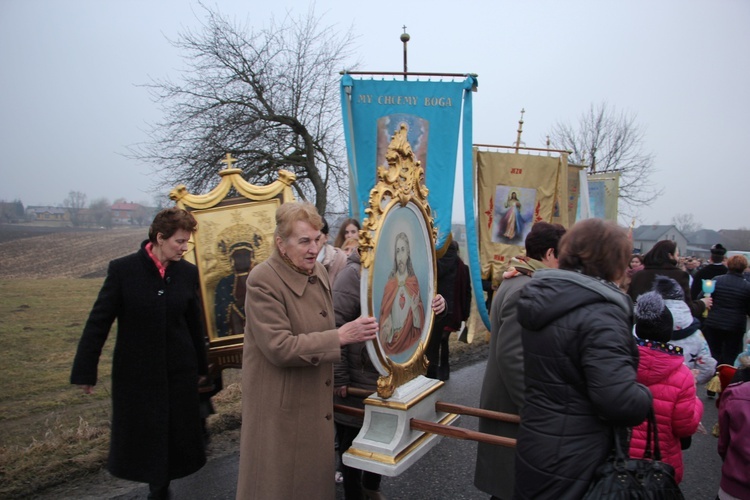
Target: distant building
x,y
700,242
645,237
736,239
130,214
47,214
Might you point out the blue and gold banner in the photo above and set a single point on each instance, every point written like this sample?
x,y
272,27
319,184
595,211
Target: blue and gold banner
x,y
431,111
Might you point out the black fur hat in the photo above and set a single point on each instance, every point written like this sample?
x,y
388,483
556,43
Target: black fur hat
x,y
718,249
653,321
668,288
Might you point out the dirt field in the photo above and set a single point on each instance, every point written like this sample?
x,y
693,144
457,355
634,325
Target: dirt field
x,y
49,252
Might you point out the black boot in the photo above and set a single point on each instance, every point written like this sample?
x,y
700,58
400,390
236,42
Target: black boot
x,y
158,491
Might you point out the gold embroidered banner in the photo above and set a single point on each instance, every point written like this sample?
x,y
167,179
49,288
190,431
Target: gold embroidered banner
x,y
561,211
514,191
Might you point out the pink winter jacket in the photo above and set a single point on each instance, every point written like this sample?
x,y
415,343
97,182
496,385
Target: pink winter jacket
x,y
678,411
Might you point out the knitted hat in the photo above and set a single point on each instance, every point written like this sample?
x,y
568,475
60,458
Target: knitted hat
x,y
668,288
718,249
653,321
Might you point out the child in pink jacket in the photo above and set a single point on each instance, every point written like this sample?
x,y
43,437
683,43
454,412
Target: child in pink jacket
x,y
660,367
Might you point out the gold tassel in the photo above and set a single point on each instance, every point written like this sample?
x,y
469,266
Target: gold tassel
x,y
715,431
714,385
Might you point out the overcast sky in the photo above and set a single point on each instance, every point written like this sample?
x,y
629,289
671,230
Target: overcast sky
x,y
70,69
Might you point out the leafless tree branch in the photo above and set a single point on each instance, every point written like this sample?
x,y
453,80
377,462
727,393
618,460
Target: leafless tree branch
x,y
269,96
610,141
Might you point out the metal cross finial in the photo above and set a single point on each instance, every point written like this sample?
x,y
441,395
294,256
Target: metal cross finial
x,y
404,27
228,160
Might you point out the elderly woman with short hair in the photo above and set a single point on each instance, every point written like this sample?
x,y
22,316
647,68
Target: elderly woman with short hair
x,y
158,358
580,364
291,343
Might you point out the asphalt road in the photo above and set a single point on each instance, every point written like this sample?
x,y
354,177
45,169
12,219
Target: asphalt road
x,y
446,472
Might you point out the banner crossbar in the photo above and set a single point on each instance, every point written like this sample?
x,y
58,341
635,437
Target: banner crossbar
x,y
527,148
408,73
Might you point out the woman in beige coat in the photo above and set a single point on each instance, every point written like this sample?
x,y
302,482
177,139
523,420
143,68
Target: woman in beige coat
x,y
291,343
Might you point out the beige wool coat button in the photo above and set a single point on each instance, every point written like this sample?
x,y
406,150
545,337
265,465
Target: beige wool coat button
x,y
328,416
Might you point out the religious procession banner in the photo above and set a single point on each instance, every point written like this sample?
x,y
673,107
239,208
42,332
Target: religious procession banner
x,y
574,191
560,212
604,191
513,192
431,112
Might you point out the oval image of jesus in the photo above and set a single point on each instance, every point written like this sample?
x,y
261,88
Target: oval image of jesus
x,y
403,283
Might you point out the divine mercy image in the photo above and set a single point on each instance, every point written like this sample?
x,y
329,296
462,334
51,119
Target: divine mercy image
x,y
513,214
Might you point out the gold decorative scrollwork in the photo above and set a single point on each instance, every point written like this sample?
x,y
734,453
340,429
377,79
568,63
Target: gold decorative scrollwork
x,y
232,177
399,183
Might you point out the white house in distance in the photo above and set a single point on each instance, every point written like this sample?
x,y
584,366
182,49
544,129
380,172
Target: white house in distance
x,y
645,237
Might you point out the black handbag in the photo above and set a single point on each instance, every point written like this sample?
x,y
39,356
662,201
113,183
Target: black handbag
x,y
622,477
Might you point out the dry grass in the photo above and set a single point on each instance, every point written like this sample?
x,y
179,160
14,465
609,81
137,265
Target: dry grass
x,y
50,431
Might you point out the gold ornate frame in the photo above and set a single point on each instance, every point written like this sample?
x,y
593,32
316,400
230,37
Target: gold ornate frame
x,y
400,186
230,221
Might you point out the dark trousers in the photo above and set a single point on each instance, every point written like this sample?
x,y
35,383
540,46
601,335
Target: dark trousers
x,y
437,351
354,479
725,345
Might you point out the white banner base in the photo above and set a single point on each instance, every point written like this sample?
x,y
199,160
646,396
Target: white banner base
x,y
386,444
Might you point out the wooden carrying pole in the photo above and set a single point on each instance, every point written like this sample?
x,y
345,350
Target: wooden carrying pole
x,y
459,433
442,429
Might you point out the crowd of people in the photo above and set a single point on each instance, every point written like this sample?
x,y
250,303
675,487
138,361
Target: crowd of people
x,y
558,335
586,341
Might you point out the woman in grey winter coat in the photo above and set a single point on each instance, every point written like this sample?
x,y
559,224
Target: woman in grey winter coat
x,y
580,363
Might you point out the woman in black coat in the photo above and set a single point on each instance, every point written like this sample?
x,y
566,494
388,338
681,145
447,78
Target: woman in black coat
x,y
662,260
158,358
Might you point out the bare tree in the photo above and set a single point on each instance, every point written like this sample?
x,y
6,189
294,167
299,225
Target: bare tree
x,y
686,223
269,96
74,203
140,215
101,212
609,141
11,211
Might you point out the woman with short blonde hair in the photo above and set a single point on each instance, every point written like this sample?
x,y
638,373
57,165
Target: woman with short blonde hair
x,y
291,343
